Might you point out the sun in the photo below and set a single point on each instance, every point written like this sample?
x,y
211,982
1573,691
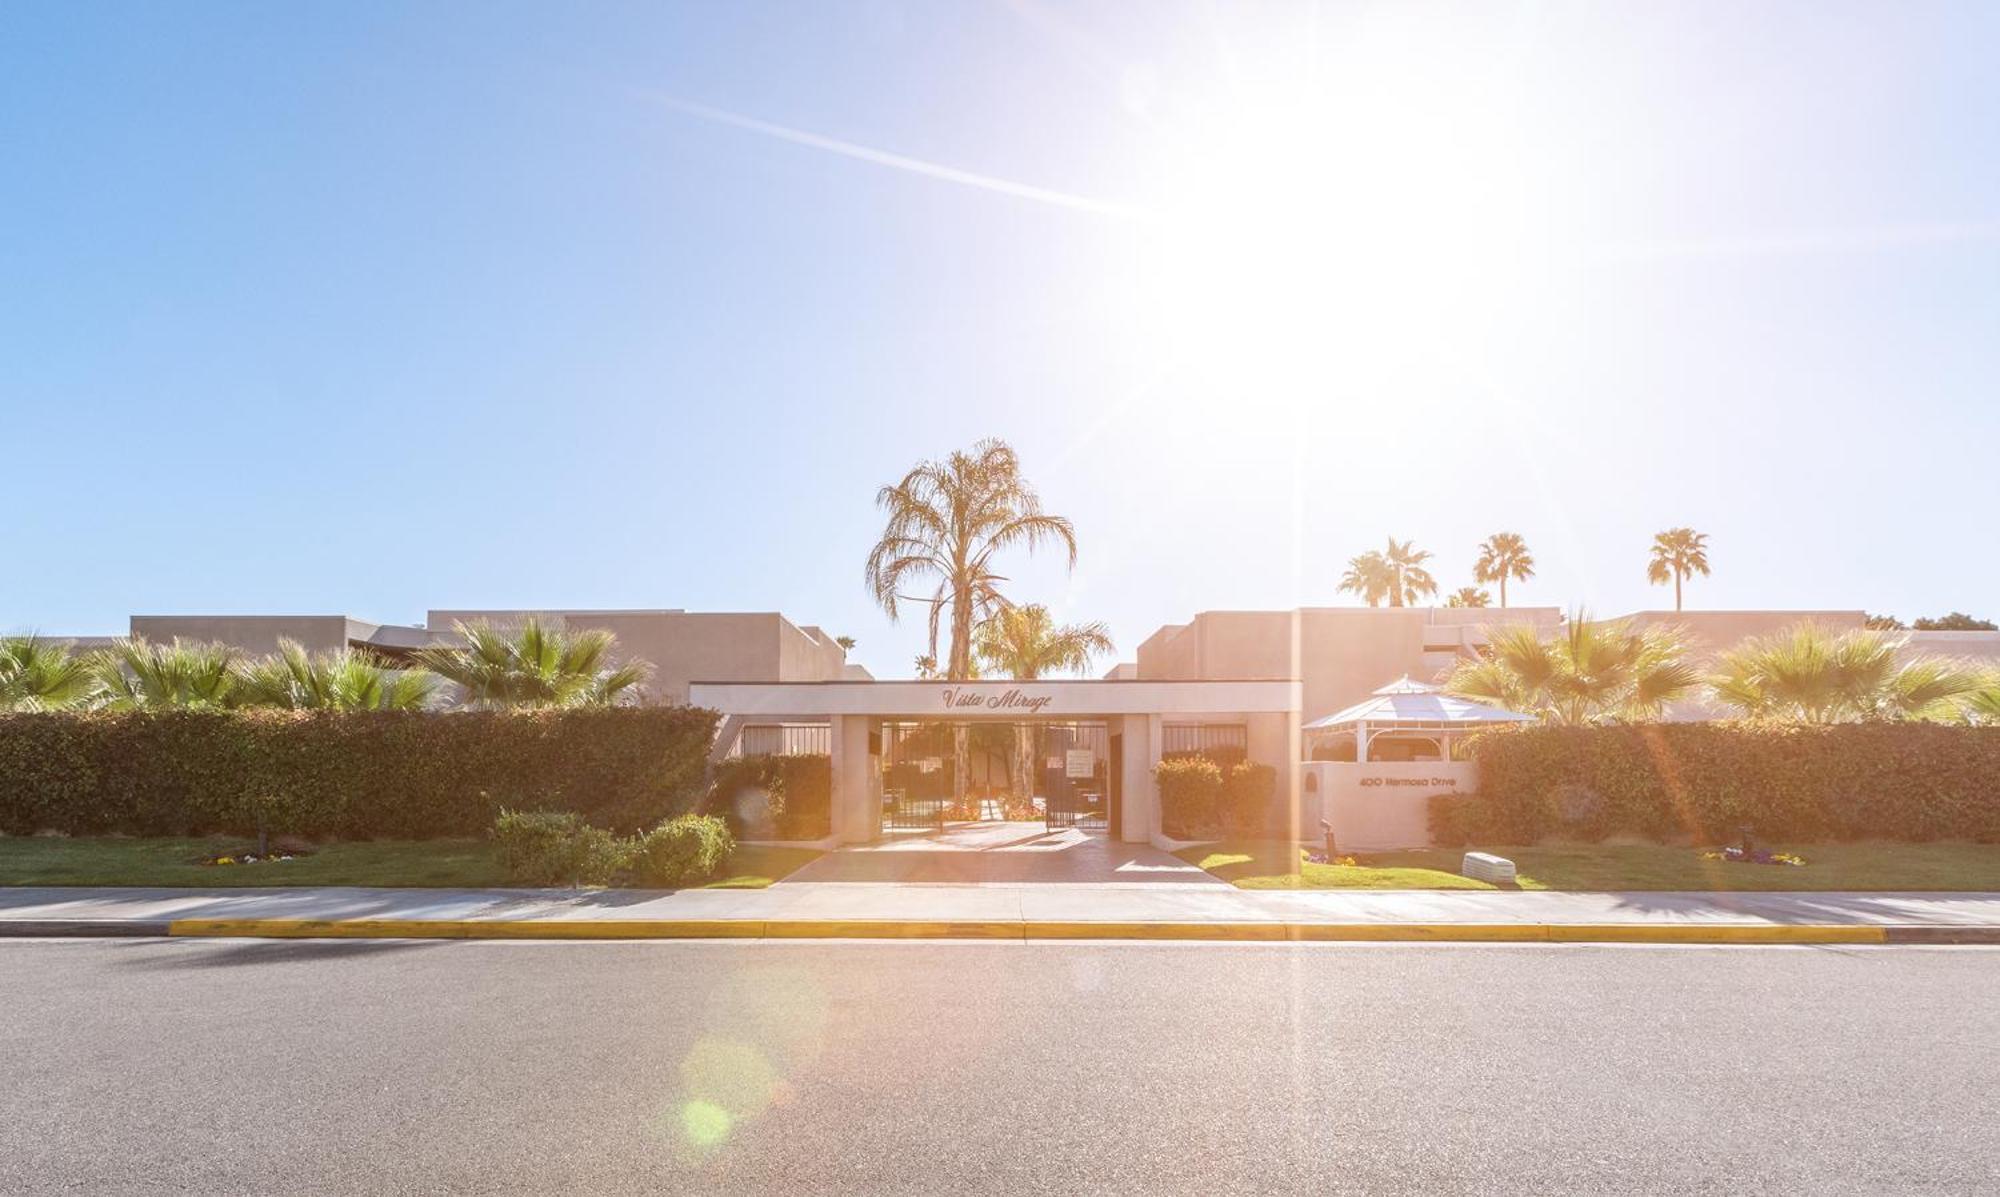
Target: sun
x,y
1316,242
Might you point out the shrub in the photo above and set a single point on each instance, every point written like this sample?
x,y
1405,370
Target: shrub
x,y
1469,821
788,797
1907,781
557,848
1190,794
347,774
683,849
1248,793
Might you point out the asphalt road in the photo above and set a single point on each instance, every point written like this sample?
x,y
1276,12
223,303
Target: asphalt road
x,y
243,1067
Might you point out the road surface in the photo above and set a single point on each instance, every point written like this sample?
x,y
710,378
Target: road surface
x,y
144,1066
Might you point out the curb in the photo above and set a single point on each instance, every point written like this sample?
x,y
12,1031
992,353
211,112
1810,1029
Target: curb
x,y
644,929
1674,933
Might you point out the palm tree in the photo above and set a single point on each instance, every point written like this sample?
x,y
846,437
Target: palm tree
x,y
345,679
1408,579
947,522
533,665
136,674
43,675
1367,576
1025,643
1395,572
1468,596
1982,705
1678,554
1811,674
1585,673
1503,555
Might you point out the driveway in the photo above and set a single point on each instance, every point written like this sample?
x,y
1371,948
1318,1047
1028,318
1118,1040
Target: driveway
x,y
1003,854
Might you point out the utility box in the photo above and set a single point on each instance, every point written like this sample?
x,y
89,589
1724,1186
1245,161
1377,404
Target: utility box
x,y
1484,866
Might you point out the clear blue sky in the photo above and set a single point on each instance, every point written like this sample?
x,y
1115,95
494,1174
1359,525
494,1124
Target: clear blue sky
x,y
372,308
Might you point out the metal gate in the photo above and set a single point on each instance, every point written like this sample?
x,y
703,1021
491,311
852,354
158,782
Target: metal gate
x,y
1073,775
919,768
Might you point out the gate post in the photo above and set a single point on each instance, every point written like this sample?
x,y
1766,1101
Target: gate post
x,y
856,816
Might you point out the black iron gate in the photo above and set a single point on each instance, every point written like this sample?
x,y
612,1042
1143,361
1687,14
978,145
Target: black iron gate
x,y
1073,772
919,768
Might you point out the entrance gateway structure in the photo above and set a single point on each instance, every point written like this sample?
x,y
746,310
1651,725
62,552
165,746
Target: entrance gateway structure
x,y
1123,726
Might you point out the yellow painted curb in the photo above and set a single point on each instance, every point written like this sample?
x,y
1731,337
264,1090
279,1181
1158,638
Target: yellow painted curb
x,y
889,929
1767,933
599,929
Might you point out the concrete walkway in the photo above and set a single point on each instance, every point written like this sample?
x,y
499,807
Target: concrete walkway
x,y
889,902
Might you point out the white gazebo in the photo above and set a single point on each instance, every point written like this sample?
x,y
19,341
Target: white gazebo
x,y
1410,710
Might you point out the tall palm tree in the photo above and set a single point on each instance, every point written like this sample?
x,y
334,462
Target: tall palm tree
x,y
136,674
1585,673
1503,555
1025,643
533,665
345,679
1367,576
1811,674
1395,572
1408,579
1468,596
43,675
1678,554
947,523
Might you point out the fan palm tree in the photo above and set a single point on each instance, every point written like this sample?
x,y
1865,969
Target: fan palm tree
x,y
1408,579
1585,673
1982,705
1468,596
43,675
1503,555
136,674
947,523
1811,674
1678,554
1025,643
1368,577
345,679
533,665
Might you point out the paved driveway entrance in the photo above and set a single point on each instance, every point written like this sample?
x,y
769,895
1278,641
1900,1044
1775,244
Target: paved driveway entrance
x,y
1001,854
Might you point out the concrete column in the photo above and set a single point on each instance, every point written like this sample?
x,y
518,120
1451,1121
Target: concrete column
x,y
856,819
1139,799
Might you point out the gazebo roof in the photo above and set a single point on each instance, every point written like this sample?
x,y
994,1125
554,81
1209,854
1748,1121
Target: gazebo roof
x,y
1404,703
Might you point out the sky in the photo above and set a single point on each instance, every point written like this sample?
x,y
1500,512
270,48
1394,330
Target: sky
x,y
376,308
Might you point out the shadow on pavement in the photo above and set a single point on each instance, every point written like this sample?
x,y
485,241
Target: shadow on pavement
x,y
209,953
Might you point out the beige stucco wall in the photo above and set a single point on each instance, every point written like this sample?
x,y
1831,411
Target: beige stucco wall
x,y
1378,806
257,635
694,646
1344,653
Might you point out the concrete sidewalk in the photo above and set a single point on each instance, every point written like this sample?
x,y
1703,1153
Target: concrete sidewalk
x,y
899,910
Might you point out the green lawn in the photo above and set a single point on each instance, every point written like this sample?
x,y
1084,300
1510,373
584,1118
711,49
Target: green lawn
x,y
467,864
1858,866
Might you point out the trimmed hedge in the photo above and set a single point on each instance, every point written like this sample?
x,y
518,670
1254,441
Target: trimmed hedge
x,y
1903,781
1190,795
785,797
557,848
358,775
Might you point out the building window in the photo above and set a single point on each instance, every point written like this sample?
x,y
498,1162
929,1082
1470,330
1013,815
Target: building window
x,y
785,739
1205,739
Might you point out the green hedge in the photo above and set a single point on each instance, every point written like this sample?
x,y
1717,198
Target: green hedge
x,y
369,774
1907,781
785,797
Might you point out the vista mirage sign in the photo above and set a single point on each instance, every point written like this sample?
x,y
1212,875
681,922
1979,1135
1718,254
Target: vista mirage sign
x,y
958,698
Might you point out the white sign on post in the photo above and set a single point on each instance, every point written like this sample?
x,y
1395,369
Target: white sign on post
x,y
1080,762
